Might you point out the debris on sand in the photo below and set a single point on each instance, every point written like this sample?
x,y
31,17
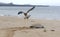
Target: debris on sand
x,y
37,26
52,30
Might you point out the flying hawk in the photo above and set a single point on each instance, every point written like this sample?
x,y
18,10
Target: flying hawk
x,y
25,14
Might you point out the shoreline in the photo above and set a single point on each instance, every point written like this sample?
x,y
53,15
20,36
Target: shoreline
x,y
9,21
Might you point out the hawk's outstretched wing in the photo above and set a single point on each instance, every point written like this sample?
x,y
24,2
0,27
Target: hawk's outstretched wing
x,y
20,12
30,9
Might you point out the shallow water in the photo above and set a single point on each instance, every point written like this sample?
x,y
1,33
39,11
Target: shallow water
x,y
50,13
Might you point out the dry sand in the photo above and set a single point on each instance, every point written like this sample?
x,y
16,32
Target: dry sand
x,y
16,27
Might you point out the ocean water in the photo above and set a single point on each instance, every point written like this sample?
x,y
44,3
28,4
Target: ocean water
x,y
49,13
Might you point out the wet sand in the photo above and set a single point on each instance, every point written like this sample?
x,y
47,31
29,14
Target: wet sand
x,y
18,27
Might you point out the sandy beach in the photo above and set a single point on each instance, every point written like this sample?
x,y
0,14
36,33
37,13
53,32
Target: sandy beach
x,y
10,27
